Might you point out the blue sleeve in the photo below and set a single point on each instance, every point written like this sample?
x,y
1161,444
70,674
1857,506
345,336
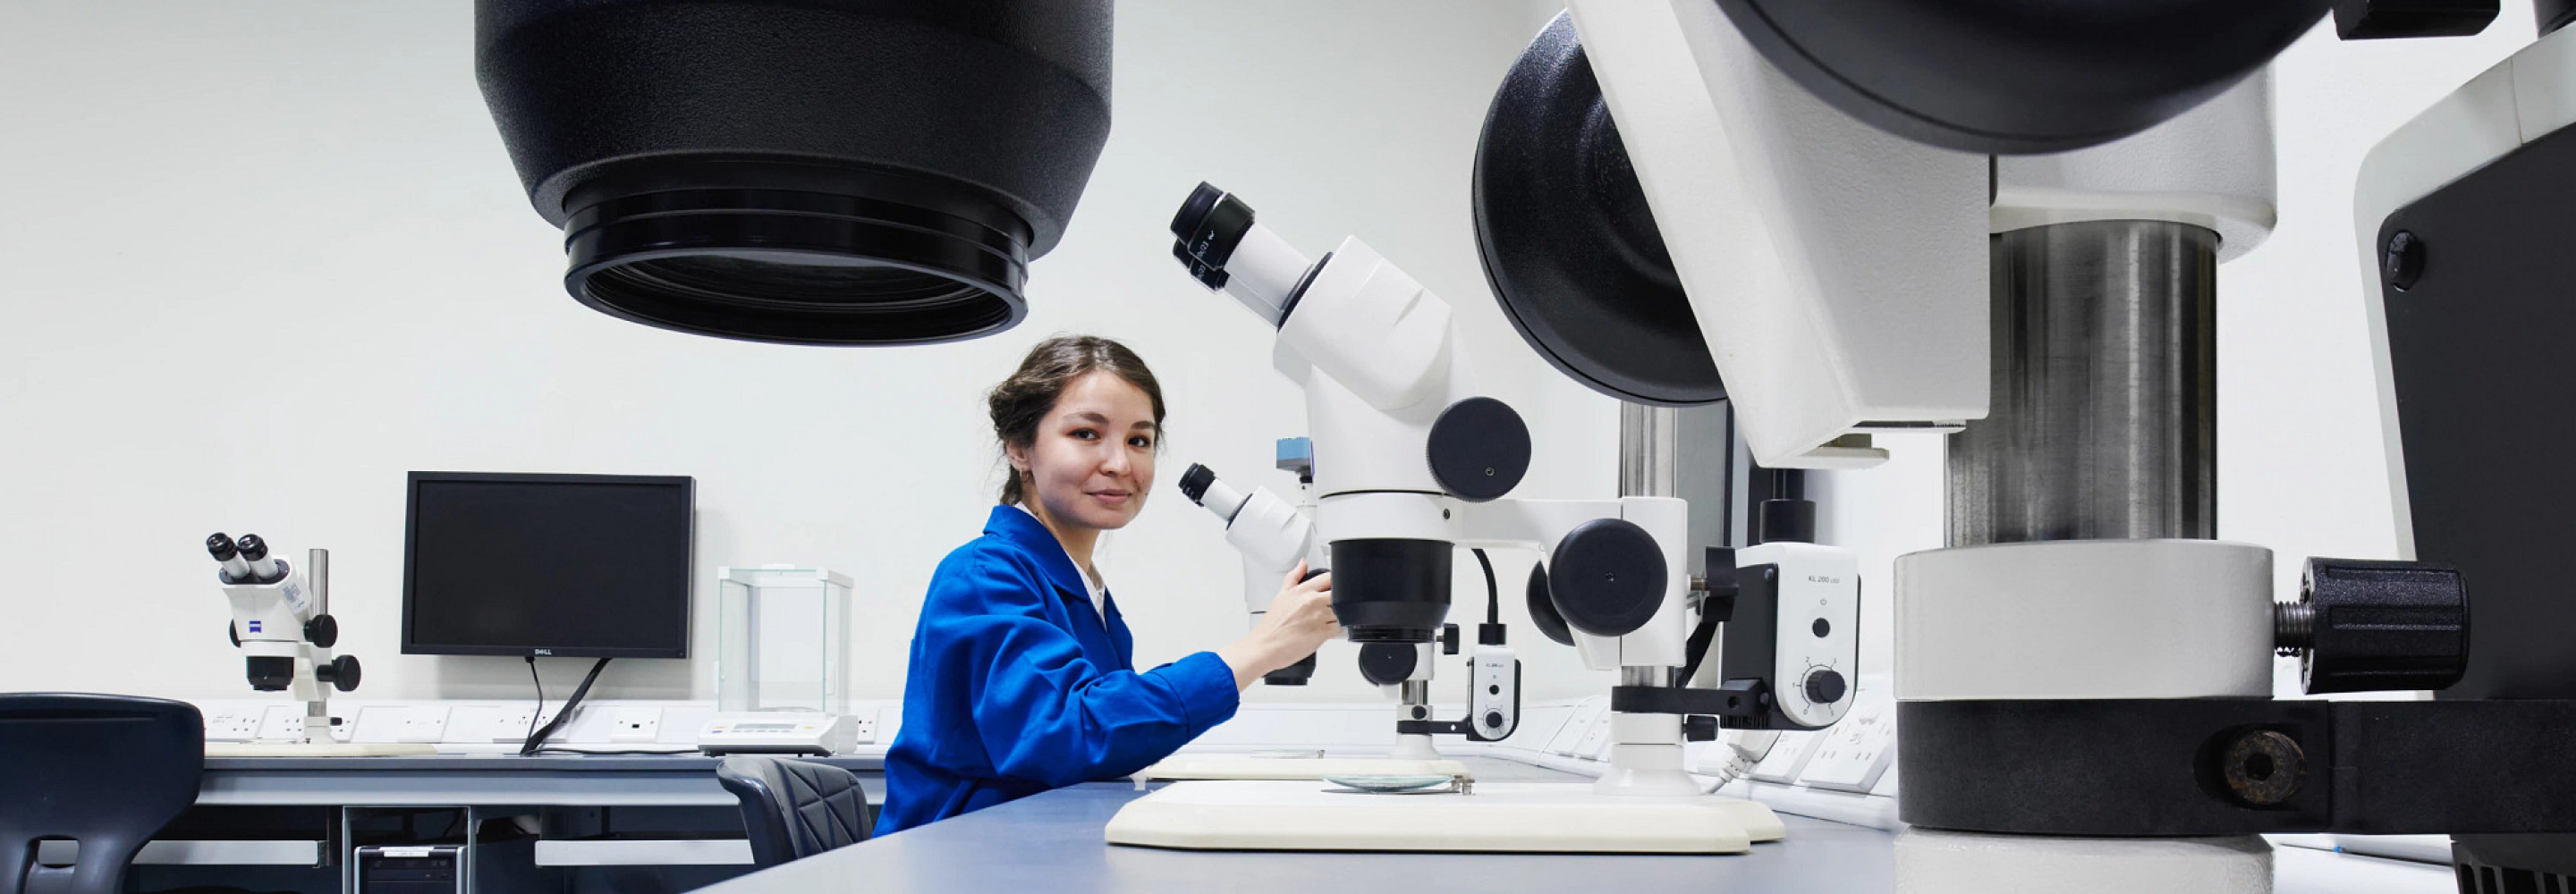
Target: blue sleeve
x,y
1044,713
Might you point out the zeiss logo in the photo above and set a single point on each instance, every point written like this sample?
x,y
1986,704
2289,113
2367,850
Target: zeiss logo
x,y
254,626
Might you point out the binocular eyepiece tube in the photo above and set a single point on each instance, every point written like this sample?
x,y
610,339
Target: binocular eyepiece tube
x,y
1218,239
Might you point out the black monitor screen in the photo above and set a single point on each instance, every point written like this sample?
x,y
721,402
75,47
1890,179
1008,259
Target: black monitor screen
x,y
571,565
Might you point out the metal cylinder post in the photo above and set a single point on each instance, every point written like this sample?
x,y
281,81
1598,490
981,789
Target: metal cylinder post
x,y
1649,451
317,579
2104,422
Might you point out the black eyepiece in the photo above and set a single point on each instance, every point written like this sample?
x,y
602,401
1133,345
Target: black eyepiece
x,y
1195,481
221,546
253,548
1194,210
1210,224
1208,276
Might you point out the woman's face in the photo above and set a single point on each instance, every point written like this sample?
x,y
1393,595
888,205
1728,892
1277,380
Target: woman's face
x,y
1093,457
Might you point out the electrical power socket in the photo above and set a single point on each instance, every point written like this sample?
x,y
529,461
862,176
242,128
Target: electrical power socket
x,y
516,723
233,726
864,729
420,724
291,727
634,724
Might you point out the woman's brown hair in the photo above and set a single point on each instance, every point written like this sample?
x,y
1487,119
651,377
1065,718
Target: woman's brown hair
x,y
1024,399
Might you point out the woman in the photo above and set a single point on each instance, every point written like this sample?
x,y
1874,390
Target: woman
x,y
1022,677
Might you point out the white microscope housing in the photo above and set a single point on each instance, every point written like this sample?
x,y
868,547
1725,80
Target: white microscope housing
x,y
1412,462
285,631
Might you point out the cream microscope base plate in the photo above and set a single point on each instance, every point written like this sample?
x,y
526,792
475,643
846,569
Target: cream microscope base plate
x,y
1540,817
1295,768
318,749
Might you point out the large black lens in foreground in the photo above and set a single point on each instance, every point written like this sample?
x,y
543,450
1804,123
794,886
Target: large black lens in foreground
x,y
1568,242
2019,76
813,172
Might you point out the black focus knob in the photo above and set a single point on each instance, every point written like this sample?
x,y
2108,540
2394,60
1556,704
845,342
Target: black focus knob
x,y
342,673
1386,664
2367,626
322,631
1825,687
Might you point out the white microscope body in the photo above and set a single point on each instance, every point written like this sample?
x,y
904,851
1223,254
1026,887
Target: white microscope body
x,y
1411,462
1273,536
282,623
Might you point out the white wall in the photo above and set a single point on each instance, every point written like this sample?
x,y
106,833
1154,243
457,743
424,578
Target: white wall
x,y
259,260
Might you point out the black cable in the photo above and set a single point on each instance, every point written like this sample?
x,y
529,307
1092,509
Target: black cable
x,y
1726,517
1493,592
541,700
564,714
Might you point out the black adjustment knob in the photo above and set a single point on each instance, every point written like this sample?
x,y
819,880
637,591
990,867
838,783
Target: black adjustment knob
x,y
1607,577
1448,639
1542,609
2365,626
346,680
1699,728
1493,720
1825,687
1478,449
322,631
1386,664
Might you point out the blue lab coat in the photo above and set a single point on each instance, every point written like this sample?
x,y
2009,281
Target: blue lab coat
x,y
1018,686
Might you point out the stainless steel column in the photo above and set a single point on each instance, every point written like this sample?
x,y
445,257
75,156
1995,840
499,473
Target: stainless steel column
x,y
2105,420
1649,451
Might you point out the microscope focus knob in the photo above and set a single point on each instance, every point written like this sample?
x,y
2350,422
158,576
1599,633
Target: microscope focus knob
x,y
1387,664
342,673
1826,686
322,631
1478,449
2366,626
1607,577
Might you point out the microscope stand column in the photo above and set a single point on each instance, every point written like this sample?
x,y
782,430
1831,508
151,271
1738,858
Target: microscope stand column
x,y
1646,749
2081,563
1413,702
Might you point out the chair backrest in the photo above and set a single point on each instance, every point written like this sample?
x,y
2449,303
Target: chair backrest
x,y
795,809
105,770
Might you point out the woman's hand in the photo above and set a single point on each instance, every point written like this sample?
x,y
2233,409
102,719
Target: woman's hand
x,y
1300,619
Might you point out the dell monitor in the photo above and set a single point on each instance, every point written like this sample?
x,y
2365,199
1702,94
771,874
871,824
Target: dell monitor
x,y
591,566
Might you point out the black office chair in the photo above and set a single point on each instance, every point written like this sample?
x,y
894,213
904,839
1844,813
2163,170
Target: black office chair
x,y
794,809
107,771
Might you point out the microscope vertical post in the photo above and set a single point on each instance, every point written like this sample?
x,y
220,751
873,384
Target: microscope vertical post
x,y
317,701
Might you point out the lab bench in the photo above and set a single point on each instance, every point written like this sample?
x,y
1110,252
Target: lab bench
x,y
1053,842
564,822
